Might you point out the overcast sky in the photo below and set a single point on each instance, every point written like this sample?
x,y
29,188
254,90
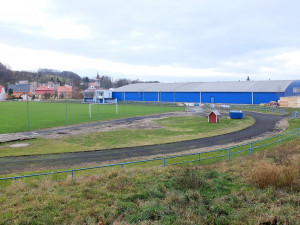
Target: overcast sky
x,y
164,40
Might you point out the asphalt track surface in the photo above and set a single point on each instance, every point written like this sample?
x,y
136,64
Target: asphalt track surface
x,y
264,123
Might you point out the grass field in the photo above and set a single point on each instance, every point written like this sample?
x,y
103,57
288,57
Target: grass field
x,y
13,115
206,158
262,189
173,129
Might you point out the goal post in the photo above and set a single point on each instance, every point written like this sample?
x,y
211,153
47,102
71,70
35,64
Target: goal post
x,y
91,105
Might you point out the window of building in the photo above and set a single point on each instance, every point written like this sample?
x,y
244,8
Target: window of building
x,y
296,90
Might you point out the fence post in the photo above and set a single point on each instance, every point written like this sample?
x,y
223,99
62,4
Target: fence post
x,y
280,139
122,166
267,143
250,148
299,132
291,135
72,174
27,114
164,162
90,110
66,113
98,110
15,178
199,159
228,153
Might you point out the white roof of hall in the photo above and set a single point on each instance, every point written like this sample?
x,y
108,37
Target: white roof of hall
x,y
220,86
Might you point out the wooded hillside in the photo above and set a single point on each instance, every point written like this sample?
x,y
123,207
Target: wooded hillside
x,y
8,76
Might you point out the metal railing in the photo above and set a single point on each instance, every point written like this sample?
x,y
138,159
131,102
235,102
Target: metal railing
x,y
258,108
198,158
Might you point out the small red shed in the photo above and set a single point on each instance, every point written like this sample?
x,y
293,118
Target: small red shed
x,y
214,116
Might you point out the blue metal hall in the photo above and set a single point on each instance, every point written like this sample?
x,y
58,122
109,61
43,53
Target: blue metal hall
x,y
233,92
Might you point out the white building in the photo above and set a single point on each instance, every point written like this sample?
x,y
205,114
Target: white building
x,y
2,93
98,96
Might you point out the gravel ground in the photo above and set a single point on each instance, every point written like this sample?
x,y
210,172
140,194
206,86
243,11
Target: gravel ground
x,y
265,125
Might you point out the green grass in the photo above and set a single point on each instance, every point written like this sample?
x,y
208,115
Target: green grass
x,y
174,129
223,193
13,116
206,158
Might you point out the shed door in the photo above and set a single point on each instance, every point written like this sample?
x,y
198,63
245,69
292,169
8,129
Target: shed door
x,y
212,99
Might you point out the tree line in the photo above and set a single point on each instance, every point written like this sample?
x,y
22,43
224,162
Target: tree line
x,y
108,82
8,76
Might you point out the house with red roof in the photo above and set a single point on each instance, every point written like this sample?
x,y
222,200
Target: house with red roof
x,y
2,93
93,85
64,92
44,92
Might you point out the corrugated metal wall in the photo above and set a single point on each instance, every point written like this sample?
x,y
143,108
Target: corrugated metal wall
x,y
167,96
206,97
225,97
187,96
150,96
263,97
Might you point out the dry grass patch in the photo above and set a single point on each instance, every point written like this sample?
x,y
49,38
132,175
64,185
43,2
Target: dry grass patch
x,y
269,174
279,168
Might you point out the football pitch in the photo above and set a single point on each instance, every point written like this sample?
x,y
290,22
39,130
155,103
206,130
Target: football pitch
x,y
14,116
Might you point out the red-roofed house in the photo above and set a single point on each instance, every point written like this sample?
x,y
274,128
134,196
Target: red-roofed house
x,y
64,92
93,85
2,93
44,92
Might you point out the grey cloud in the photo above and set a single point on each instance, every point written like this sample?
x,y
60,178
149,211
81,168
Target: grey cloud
x,y
195,34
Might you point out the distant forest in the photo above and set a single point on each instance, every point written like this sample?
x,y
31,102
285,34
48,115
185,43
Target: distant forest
x,y
8,76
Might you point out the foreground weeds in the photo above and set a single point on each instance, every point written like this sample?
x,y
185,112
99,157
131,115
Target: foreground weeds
x,y
279,168
263,189
267,174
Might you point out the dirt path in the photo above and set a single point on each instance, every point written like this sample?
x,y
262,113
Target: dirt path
x,y
264,124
